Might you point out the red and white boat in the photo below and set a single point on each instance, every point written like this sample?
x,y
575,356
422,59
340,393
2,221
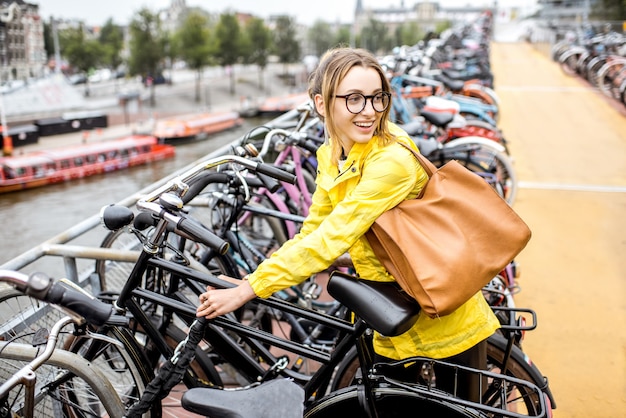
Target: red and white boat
x,y
275,105
194,126
56,165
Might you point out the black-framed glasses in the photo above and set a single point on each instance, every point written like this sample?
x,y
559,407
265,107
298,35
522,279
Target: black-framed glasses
x,y
356,102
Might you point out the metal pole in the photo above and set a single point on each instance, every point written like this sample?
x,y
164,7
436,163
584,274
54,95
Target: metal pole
x,y
3,121
57,51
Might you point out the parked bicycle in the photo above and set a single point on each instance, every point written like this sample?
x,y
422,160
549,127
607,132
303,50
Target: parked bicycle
x,y
39,378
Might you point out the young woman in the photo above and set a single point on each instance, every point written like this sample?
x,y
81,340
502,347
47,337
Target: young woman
x,y
362,172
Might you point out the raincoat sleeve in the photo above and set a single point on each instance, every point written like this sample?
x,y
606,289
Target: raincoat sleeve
x,y
382,178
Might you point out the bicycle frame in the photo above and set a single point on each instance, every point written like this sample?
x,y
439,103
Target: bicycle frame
x,y
315,385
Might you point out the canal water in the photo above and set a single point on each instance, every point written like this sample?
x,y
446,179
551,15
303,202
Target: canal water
x,y
31,217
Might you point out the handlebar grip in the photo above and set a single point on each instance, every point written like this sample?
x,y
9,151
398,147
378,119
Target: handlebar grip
x,y
311,144
65,295
276,173
268,182
203,235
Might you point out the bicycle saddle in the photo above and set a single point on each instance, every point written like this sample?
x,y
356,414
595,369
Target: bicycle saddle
x,y
384,306
440,119
278,398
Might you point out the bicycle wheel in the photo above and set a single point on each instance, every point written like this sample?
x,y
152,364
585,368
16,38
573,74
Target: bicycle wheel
x,y
113,274
481,158
610,75
518,398
390,403
593,67
480,129
60,392
568,61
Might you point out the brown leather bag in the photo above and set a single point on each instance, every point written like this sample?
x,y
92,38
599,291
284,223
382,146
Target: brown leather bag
x,y
446,244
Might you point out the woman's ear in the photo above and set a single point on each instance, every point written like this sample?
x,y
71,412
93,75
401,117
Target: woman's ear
x,y
319,105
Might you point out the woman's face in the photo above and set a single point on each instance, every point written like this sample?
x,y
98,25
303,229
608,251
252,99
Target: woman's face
x,y
357,128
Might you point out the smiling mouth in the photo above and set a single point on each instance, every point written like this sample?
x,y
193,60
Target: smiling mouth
x,y
364,124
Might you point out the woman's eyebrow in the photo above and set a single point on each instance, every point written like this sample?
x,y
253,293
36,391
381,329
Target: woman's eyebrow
x,y
350,91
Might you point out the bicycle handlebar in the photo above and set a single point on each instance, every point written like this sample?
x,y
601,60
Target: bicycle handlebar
x,y
190,227
254,166
42,287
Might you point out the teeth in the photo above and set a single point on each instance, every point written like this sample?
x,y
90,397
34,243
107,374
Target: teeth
x,y
363,125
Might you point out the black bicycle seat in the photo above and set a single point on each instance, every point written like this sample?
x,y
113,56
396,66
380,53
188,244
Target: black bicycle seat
x,y
384,306
278,398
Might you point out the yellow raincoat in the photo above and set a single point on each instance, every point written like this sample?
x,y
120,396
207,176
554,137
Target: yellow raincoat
x,y
374,179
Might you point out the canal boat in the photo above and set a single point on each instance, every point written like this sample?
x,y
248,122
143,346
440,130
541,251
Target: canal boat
x,y
55,165
194,126
276,105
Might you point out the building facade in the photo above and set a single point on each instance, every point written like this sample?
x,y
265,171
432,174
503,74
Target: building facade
x,y
22,52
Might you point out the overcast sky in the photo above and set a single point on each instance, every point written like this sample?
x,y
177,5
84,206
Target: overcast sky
x,y
96,12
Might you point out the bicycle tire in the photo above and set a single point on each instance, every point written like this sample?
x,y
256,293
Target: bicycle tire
x,y
517,367
114,361
592,67
608,74
481,157
391,403
113,274
71,393
568,61
81,386
475,127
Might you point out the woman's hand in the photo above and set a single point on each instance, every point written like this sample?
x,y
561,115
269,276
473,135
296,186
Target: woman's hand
x,y
216,302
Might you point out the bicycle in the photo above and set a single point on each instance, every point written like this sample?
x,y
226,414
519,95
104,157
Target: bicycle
x,y
39,378
372,390
257,340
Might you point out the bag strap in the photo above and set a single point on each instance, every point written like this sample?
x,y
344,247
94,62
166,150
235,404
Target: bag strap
x,y
428,167
424,162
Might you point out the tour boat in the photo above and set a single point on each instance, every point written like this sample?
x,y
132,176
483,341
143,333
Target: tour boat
x,y
283,104
55,165
194,126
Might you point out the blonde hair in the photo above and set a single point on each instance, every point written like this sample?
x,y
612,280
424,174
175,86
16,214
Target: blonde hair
x,y
333,67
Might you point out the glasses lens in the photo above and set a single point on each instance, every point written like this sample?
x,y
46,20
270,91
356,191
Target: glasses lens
x,y
380,102
355,102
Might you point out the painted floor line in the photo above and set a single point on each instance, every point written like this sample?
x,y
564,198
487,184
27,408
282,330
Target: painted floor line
x,y
572,187
555,89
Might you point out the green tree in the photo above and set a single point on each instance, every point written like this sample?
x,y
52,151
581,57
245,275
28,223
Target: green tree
x,y
609,10
258,44
321,36
82,54
285,42
112,40
374,36
229,44
344,36
193,44
408,33
48,41
146,47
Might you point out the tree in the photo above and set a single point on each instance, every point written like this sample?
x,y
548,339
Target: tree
x,y
374,36
408,33
193,43
146,47
285,42
48,41
321,37
258,45
82,54
229,41
609,10
344,36
112,40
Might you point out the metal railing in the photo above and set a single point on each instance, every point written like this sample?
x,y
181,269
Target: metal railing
x,y
67,245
